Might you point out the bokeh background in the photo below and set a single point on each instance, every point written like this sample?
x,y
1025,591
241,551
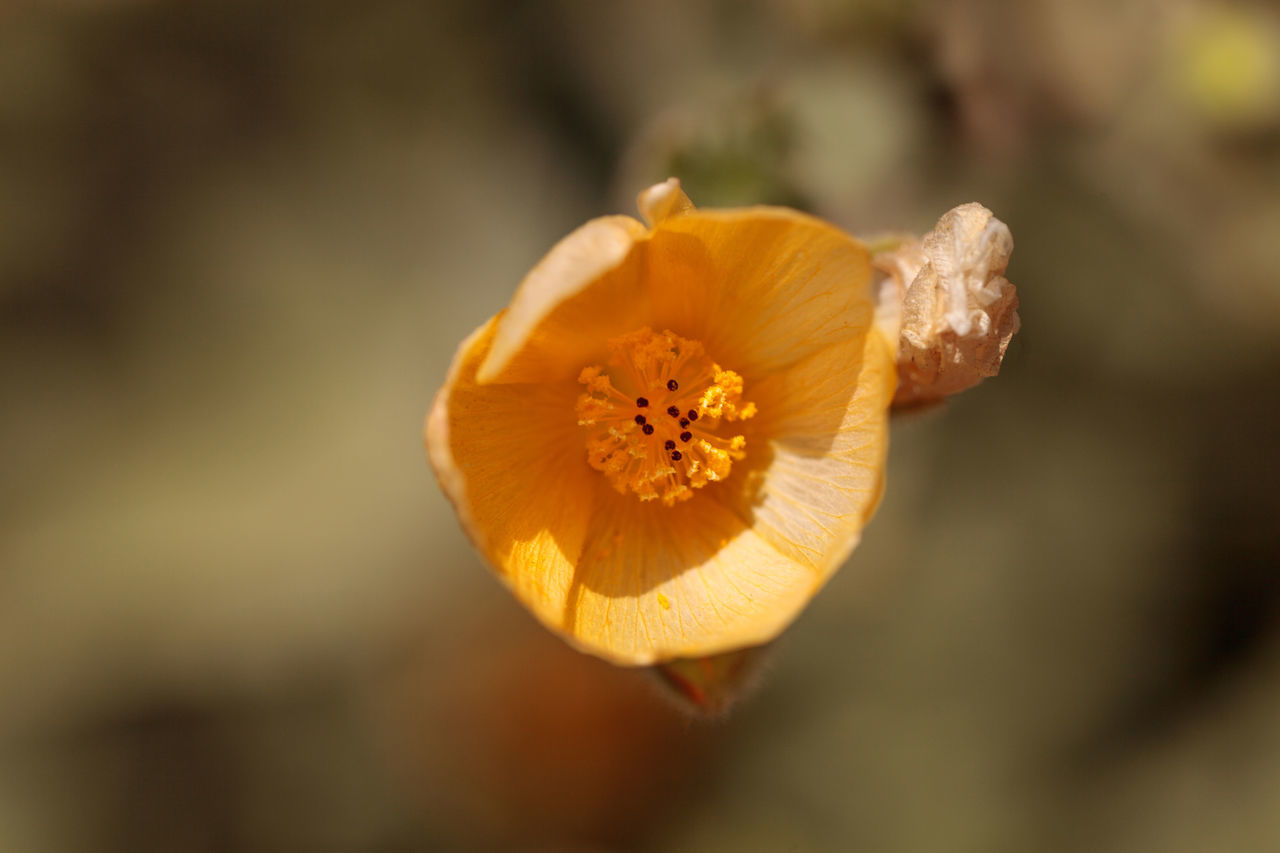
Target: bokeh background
x,y
239,242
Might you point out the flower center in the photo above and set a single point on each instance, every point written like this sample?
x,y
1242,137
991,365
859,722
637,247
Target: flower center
x,y
655,415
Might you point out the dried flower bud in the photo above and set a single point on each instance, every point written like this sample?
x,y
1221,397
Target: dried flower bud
x,y
946,301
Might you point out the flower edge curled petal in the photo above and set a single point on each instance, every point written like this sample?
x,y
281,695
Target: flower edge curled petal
x,y
826,480
534,549
436,434
573,265
879,348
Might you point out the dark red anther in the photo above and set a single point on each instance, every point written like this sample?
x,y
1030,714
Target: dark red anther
x,y
647,429
675,456
673,411
672,385
670,445
693,414
685,436
640,419
641,402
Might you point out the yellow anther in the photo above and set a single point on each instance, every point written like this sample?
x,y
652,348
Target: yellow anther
x,y
654,416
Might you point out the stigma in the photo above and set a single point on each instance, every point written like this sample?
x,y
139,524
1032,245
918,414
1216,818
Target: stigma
x,y
654,416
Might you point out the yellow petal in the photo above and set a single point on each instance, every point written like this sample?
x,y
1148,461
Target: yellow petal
x,y
761,287
586,290
511,460
820,476
656,583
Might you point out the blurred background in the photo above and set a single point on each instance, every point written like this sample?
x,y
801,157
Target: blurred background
x,y
239,242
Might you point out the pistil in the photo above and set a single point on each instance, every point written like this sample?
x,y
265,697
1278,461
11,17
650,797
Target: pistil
x,y
654,416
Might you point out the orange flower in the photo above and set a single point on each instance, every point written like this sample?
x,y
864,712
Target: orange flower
x,y
673,435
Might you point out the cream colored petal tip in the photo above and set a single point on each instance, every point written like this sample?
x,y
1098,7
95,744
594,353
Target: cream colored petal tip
x,y
661,202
